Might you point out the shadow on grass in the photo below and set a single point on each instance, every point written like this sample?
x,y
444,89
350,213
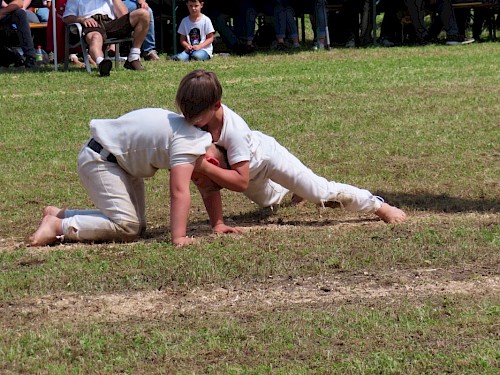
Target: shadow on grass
x,y
440,203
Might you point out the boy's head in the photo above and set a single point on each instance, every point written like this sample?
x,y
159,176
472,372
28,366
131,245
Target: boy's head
x,y
198,91
194,6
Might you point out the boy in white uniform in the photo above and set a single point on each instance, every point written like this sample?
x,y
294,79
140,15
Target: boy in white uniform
x,y
196,34
112,167
260,167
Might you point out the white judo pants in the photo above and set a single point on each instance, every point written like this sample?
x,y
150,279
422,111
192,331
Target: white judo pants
x,y
282,172
118,197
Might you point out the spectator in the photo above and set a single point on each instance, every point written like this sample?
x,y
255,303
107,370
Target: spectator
x,y
149,45
37,10
11,12
220,13
318,22
196,34
447,16
284,23
101,19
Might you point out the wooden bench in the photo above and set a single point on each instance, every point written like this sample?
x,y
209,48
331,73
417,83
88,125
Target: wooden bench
x,y
38,25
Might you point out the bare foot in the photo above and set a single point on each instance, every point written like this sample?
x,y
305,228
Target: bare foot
x,y
47,232
390,214
53,211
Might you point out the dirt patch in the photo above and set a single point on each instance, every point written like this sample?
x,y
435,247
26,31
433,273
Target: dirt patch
x,y
272,294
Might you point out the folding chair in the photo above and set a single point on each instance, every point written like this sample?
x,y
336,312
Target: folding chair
x,y
74,38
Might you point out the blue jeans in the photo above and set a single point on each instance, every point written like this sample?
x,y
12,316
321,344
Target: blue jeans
x,y
43,14
284,20
195,55
150,42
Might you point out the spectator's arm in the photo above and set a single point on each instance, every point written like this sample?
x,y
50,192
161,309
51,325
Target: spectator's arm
x,y
142,4
119,8
26,4
86,22
9,8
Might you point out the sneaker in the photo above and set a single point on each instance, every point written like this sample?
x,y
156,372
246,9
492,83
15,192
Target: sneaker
x,y
30,62
384,42
105,67
151,55
351,43
133,65
281,46
454,40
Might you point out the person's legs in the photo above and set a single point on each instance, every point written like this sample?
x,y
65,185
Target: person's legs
x,y
43,14
182,56
289,172
117,196
264,192
32,17
200,55
150,40
320,19
417,13
19,18
447,17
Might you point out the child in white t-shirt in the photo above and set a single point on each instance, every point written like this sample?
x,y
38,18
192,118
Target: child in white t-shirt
x,y
196,34
259,166
112,166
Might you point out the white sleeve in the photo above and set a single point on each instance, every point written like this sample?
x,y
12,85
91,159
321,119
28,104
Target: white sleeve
x,y
187,148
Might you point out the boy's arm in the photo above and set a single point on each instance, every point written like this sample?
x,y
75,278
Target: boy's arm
x,y
213,204
180,201
184,43
235,179
208,40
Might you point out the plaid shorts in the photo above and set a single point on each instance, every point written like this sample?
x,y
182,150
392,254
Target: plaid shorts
x,y
108,28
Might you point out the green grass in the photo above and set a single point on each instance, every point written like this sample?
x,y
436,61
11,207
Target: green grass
x,y
418,126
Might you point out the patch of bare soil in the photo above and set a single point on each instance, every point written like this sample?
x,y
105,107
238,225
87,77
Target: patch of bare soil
x,y
282,294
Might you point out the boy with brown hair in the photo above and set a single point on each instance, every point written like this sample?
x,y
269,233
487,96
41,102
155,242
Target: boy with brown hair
x,y
260,167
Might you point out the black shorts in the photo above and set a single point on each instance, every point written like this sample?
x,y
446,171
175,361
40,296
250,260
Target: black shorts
x,y
108,28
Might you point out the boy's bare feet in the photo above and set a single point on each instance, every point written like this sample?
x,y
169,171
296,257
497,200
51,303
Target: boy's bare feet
x,y
390,214
53,211
47,232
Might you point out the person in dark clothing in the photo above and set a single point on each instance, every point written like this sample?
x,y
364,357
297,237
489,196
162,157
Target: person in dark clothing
x,y
11,13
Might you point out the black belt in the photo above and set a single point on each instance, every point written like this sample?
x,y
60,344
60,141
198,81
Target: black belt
x,y
97,147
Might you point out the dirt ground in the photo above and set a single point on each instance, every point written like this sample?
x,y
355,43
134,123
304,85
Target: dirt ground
x,y
341,288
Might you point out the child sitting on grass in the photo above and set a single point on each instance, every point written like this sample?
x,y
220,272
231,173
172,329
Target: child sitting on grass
x,y
196,34
260,167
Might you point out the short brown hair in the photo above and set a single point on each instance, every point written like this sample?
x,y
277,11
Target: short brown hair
x,y
197,92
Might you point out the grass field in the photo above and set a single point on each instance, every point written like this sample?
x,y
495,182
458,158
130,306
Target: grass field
x,y
303,290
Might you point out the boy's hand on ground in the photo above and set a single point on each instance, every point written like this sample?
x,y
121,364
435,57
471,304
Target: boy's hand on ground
x,y
183,241
223,228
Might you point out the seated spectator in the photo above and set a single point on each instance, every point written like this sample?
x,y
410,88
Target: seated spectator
x,y
220,12
149,45
396,26
101,19
284,23
37,10
196,34
446,15
11,12
318,17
